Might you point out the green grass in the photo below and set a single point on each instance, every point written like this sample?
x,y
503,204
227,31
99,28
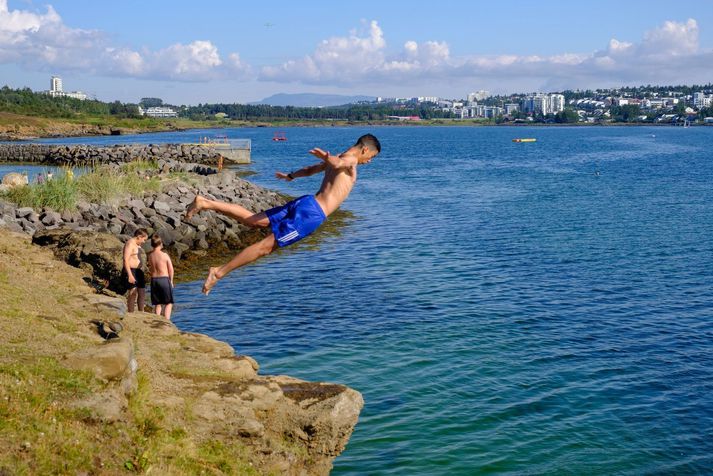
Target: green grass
x,y
43,434
107,186
59,194
165,446
103,186
139,165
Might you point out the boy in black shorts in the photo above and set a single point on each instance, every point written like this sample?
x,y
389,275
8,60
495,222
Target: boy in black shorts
x,y
161,269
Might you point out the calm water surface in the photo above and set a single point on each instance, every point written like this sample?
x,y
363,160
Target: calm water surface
x,y
503,308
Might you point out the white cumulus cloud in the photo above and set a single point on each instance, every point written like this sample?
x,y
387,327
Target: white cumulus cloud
x,y
363,58
358,58
667,53
42,41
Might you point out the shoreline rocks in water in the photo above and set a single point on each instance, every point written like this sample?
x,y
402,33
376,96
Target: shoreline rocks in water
x,y
88,155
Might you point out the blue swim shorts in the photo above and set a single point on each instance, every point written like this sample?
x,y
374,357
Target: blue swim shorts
x,y
295,220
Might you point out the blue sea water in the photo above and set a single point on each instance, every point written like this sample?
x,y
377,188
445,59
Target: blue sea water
x,y
503,308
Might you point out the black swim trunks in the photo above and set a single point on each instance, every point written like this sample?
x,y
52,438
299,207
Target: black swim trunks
x,y
161,291
138,276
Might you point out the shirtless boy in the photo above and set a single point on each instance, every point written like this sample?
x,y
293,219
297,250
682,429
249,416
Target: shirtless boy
x,y
132,272
299,218
161,269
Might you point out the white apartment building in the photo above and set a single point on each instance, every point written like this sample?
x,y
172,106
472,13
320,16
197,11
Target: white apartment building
x,y
556,103
510,108
701,100
478,110
56,90
543,103
653,103
56,84
537,103
492,111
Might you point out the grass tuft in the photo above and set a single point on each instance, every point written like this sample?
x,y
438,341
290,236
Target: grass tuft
x,y
103,186
59,194
140,165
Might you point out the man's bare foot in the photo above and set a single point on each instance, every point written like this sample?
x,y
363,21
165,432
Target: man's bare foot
x,y
195,206
210,280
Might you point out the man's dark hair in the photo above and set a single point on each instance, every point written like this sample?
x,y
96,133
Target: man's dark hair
x,y
370,141
141,232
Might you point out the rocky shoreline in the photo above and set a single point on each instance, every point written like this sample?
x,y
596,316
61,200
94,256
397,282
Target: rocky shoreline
x,y
139,392
20,128
160,212
288,425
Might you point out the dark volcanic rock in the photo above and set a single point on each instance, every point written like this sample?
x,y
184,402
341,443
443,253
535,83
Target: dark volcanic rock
x,y
103,252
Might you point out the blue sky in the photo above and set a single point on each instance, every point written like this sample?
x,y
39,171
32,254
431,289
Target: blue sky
x,y
220,51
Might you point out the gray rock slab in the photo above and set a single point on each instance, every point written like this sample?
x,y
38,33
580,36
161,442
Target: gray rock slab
x,y
24,212
108,361
161,207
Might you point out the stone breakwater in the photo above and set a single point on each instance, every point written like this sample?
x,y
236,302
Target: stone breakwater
x,y
75,231
85,155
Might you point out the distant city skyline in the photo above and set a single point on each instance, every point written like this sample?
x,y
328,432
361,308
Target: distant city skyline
x,y
224,52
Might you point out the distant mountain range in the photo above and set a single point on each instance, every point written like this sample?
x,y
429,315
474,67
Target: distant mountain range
x,y
312,100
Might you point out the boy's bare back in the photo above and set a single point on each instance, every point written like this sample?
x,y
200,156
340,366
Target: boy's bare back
x,y
159,264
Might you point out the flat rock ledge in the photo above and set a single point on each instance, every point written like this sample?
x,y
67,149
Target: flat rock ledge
x,y
291,426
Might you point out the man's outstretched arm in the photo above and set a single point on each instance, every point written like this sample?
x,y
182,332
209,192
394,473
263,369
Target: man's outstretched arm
x,y
303,172
335,161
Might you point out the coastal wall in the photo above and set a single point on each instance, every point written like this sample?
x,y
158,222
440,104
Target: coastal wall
x,y
86,155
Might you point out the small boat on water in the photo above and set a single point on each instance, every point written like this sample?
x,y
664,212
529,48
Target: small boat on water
x,y
530,139
279,136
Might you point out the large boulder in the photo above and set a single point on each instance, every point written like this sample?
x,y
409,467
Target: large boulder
x,y
13,179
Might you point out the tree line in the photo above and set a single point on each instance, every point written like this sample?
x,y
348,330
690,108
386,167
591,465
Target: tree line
x,y
27,102
350,112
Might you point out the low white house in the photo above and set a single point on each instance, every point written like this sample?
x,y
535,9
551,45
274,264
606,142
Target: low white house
x,y
160,111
